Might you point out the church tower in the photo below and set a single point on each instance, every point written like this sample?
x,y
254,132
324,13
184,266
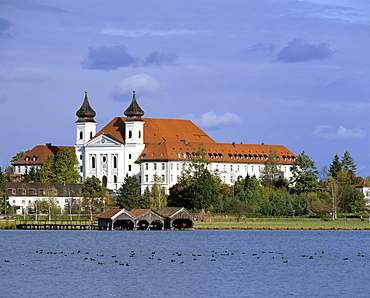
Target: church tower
x,y
134,125
85,125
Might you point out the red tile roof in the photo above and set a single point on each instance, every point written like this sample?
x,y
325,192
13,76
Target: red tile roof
x,y
39,154
215,152
159,130
364,183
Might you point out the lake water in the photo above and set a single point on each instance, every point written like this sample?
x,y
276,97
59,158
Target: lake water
x,y
196,263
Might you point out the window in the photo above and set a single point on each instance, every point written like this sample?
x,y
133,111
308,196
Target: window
x,y
171,166
139,134
104,158
130,134
81,135
146,166
171,178
81,157
91,134
129,168
162,166
154,166
146,178
93,164
162,176
114,162
114,178
129,156
12,191
177,166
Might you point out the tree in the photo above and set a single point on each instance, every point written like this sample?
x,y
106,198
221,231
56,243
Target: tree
x,y
348,164
198,189
94,193
157,195
271,175
304,175
351,199
206,191
335,195
32,176
323,174
60,168
335,167
4,202
10,169
129,196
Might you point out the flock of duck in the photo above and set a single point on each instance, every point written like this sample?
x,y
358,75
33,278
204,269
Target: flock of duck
x,y
175,257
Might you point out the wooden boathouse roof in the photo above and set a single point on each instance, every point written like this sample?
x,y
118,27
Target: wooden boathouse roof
x,y
138,213
171,212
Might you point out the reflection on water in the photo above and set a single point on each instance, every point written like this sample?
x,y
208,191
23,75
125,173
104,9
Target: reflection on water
x,y
184,263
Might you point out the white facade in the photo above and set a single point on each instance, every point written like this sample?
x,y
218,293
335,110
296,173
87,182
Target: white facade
x,y
109,160
170,171
24,196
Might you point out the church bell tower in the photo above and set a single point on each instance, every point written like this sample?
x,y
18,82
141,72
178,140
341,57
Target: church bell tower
x,y
85,125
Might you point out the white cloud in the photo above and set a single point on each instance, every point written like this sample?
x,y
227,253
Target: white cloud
x,y
210,120
142,83
330,133
144,32
20,75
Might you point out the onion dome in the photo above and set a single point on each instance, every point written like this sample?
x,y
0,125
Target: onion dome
x,y
86,112
134,111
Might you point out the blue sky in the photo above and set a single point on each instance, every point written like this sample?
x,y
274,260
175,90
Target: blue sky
x,y
294,73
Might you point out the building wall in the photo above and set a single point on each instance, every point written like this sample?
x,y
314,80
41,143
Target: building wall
x,y
170,171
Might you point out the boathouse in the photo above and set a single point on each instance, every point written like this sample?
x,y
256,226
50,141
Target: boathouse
x,y
148,219
177,218
116,219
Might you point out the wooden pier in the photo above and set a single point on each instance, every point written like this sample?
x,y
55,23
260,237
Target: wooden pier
x,y
56,225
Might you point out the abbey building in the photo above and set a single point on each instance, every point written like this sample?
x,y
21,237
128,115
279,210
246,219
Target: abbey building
x,y
149,148
152,149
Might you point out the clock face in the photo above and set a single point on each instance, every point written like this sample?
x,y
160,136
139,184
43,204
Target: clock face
x,y
102,141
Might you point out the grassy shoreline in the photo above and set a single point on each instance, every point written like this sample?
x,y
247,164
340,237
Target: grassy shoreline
x,y
285,224
265,224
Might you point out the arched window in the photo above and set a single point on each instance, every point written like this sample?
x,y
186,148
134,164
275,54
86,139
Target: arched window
x,y
130,134
91,134
105,180
93,165
115,162
115,179
81,135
